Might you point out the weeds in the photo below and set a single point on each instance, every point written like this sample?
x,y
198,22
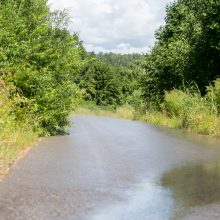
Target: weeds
x,y
89,108
180,109
14,136
189,110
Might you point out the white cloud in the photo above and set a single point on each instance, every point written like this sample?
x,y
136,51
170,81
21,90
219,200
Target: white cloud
x,y
121,26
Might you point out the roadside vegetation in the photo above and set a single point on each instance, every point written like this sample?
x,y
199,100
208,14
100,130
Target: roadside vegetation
x,y
177,82
39,59
15,135
46,74
189,110
181,85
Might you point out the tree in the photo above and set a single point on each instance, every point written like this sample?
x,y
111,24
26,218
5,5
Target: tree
x,y
100,83
186,51
40,58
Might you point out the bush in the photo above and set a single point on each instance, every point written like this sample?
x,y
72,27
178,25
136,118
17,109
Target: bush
x,y
125,111
213,94
40,58
189,110
14,135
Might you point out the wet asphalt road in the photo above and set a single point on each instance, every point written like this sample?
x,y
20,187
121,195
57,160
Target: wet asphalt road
x,y
111,169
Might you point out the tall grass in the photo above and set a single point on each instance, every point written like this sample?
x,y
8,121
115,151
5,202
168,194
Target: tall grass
x,y
14,136
13,140
89,108
181,109
189,110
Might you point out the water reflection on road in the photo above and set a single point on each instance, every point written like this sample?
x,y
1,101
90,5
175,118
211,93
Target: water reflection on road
x,y
147,200
193,186
177,192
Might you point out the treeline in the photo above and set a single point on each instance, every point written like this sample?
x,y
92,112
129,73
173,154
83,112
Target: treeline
x,y
119,60
180,86
176,84
44,69
187,51
107,83
39,59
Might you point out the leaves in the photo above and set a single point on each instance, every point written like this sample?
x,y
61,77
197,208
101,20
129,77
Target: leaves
x,y
187,49
40,58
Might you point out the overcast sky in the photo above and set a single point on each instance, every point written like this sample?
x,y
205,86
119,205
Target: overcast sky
x,y
120,26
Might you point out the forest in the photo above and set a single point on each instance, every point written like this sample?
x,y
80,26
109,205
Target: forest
x,y
46,73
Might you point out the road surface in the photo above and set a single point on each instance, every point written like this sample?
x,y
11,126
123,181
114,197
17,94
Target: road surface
x,y
112,169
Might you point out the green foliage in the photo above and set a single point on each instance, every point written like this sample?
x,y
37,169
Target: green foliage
x,y
119,60
187,49
186,106
100,83
45,72
5,107
171,84
40,58
214,95
189,110
14,136
107,84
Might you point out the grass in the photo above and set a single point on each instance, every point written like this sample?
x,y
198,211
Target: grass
x,y
14,137
186,110
89,108
158,118
13,141
190,111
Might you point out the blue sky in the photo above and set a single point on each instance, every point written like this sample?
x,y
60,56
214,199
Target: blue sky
x,y
120,26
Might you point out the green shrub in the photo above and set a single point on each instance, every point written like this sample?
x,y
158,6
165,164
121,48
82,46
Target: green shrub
x,y
40,58
213,94
14,135
189,110
125,111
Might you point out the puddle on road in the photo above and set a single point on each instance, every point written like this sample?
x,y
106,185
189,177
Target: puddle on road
x,y
180,189
146,201
178,192
193,186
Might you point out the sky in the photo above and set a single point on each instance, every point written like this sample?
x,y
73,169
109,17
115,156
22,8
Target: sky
x,y
119,26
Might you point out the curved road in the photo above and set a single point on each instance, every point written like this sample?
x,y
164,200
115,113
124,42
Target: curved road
x,y
111,169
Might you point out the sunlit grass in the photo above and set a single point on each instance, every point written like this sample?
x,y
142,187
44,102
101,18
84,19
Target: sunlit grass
x,y
189,111
181,110
14,136
13,140
125,111
158,118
